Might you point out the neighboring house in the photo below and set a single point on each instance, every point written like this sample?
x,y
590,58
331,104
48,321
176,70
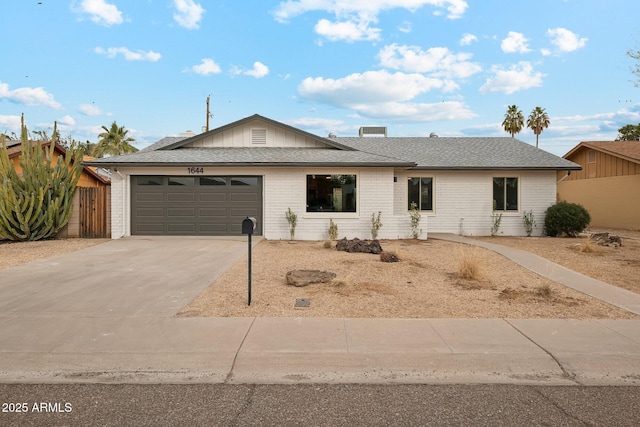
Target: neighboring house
x,y
206,184
608,185
91,210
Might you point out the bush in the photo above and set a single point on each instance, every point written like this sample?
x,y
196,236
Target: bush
x,y
566,218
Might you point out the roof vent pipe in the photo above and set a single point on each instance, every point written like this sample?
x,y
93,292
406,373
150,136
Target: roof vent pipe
x,y
187,134
332,135
433,135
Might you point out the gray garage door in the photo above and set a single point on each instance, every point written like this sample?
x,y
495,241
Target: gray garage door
x,y
194,206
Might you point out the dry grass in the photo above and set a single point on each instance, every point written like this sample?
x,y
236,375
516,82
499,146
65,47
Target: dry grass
x,y
588,246
469,265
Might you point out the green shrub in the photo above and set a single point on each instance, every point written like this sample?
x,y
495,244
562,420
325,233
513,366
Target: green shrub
x,y
566,218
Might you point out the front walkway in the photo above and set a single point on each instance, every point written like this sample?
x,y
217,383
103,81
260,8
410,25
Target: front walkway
x,y
613,295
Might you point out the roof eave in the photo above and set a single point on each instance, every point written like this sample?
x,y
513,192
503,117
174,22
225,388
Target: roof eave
x,y
254,164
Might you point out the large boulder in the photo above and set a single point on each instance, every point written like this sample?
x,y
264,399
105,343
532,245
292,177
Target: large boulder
x,y
306,277
357,245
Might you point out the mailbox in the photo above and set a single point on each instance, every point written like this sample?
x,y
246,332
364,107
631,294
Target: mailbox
x,y
248,225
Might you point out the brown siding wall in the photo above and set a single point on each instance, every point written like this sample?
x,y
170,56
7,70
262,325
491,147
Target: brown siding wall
x,y
612,202
605,165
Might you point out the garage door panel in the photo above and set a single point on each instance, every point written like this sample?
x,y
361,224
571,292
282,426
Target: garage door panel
x,y
244,197
150,228
212,197
214,205
188,228
181,212
181,197
149,197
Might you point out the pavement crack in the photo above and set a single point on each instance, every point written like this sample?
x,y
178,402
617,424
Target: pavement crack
x,y
248,401
229,376
560,408
565,373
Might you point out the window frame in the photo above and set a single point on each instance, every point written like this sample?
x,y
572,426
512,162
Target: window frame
x,y
433,201
331,213
505,209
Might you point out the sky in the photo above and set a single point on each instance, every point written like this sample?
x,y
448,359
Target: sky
x,y
416,66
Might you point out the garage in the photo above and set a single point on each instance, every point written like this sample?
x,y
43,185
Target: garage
x,y
194,205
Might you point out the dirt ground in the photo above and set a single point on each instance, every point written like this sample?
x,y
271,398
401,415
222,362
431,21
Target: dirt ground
x,y
425,283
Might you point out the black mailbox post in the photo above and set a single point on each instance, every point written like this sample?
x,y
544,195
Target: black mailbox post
x,y
248,227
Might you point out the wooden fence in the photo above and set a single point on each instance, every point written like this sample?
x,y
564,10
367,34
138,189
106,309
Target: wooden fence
x,y
93,210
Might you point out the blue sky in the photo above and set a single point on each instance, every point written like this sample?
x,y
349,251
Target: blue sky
x,y
416,66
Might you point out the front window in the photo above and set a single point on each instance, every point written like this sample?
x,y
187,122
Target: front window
x,y
421,193
505,194
331,193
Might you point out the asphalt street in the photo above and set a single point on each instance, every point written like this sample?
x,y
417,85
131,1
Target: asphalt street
x,y
317,404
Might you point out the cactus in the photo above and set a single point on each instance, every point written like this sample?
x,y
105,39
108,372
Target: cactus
x,y
37,204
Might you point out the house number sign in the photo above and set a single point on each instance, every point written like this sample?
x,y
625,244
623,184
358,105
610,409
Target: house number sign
x,y
192,170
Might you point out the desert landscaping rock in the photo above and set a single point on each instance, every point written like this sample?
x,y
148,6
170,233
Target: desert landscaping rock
x,y
360,246
388,257
604,239
306,277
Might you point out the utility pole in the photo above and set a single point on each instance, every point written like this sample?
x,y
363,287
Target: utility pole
x,y
208,114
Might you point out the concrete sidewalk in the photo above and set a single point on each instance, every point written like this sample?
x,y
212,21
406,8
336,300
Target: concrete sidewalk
x,y
323,350
105,314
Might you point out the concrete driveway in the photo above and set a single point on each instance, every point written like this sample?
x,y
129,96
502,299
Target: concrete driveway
x,y
144,276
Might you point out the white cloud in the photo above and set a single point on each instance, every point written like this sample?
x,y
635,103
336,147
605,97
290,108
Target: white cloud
x,y
89,110
292,8
406,27
417,112
380,94
188,13
467,39
355,17
515,43
565,40
101,12
349,31
517,77
259,70
368,87
29,96
438,61
67,120
206,67
129,55
9,124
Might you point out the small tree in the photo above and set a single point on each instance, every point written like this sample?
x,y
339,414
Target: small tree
x,y
528,222
415,216
37,204
629,133
333,229
292,219
376,224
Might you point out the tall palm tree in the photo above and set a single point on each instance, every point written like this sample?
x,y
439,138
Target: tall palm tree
x,y
513,120
114,141
538,121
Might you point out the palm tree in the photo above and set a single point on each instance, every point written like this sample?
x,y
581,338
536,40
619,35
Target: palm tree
x,y
513,120
538,121
114,141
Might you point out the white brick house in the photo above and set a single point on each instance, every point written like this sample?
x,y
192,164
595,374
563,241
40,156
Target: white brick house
x,y
206,184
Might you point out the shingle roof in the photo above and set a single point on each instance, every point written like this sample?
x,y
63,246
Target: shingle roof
x,y
461,153
164,142
244,156
628,149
